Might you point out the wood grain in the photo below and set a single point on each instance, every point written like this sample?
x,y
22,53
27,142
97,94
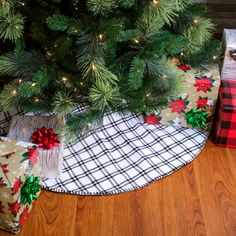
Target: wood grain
x,y
222,13
197,200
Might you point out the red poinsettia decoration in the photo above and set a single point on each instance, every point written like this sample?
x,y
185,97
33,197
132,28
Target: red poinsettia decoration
x,y
23,217
16,185
178,106
152,120
202,102
1,208
14,208
33,155
184,68
9,155
203,84
2,182
4,168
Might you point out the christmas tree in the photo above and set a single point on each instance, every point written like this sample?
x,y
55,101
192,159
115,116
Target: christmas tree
x,y
100,54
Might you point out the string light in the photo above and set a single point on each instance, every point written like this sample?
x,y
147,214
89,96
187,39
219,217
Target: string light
x,y
164,76
155,2
33,84
22,4
148,95
89,124
64,79
100,36
13,92
49,54
81,83
181,54
195,21
20,80
36,100
93,67
214,57
136,41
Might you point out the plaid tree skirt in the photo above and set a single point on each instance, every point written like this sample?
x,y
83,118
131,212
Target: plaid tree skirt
x,y
122,155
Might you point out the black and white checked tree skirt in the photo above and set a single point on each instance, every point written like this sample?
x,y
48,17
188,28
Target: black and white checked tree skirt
x,y
124,154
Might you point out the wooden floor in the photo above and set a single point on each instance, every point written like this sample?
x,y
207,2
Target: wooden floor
x,y
199,199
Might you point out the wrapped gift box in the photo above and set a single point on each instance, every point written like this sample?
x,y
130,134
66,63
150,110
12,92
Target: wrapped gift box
x,y
1,132
224,131
5,120
195,108
22,127
229,65
19,182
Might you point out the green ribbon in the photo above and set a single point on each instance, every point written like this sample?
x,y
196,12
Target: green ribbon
x,y
30,189
198,119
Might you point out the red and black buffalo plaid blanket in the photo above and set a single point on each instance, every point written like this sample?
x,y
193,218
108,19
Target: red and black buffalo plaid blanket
x,y
224,130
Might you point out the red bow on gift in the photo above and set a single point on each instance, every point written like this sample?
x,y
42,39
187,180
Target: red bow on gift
x,y
45,138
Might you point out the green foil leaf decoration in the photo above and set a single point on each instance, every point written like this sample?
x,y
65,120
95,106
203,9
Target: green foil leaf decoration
x,y
30,189
198,119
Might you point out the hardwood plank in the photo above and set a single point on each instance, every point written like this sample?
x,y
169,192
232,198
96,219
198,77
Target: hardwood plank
x,y
199,199
223,13
54,214
217,190
187,199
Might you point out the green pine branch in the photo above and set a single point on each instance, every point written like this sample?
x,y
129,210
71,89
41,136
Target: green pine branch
x,y
103,95
63,103
8,97
5,7
40,80
101,7
11,26
198,33
105,54
136,73
59,22
149,24
126,3
21,64
78,125
166,10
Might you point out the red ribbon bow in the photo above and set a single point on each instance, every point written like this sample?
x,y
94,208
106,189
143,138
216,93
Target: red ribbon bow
x,y
45,138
